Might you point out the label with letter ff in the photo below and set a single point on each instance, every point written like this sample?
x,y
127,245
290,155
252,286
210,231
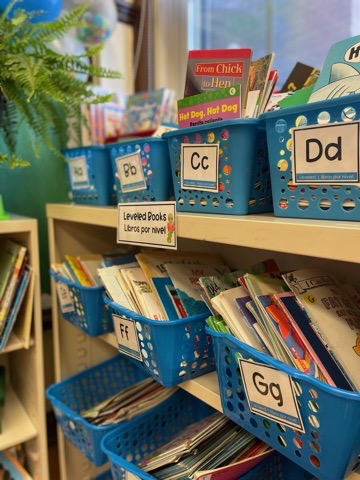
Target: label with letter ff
x,y
126,336
270,393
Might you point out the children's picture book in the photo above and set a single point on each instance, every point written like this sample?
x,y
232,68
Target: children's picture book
x,y
8,254
334,316
260,70
217,68
143,113
210,106
76,271
163,287
185,278
90,262
301,76
340,74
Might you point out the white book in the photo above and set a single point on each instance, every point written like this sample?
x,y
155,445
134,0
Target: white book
x,y
112,286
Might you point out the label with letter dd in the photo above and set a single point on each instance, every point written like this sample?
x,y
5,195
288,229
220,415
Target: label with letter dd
x,y
326,154
127,337
130,172
79,177
270,393
200,167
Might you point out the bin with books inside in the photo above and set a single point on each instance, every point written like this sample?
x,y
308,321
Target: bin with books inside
x,y
188,438
238,182
89,175
90,404
306,181
141,170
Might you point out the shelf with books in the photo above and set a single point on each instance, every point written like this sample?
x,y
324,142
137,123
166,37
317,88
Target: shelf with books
x,y
23,413
294,243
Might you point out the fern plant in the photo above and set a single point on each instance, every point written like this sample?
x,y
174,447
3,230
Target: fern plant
x,y
39,86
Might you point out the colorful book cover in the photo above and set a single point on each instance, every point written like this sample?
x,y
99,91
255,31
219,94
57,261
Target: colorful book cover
x,y
77,270
327,366
251,321
8,254
260,71
215,69
185,278
340,74
301,76
333,315
160,285
211,106
143,111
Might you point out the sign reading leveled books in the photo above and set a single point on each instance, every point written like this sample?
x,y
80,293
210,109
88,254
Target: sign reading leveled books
x,y
270,393
130,171
147,224
326,154
200,167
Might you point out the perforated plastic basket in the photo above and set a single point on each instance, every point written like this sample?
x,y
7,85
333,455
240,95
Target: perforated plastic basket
x,y
155,164
171,351
127,445
309,201
84,390
330,446
89,174
87,311
244,175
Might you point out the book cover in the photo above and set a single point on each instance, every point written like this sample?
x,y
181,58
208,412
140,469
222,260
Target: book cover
x,y
8,253
260,70
217,68
340,74
24,314
333,314
112,286
77,271
176,300
211,106
11,468
328,367
163,287
90,262
301,76
143,111
185,278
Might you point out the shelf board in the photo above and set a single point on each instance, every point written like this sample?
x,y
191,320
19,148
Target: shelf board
x,y
16,424
315,238
206,388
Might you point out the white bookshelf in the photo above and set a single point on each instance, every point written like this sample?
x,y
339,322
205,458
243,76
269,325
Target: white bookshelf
x,y
240,240
23,415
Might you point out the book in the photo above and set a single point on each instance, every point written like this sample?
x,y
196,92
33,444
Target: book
x,y
90,262
316,349
112,285
10,289
301,76
214,69
260,70
185,278
11,468
176,301
77,271
163,288
333,315
8,254
340,74
210,106
243,303
22,326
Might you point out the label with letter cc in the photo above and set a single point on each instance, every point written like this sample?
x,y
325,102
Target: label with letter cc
x,y
79,177
200,167
326,154
126,336
130,172
270,393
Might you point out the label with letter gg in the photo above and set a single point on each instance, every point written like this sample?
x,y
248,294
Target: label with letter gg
x,y
270,393
200,167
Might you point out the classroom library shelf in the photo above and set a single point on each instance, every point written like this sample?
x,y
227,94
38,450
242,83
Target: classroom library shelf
x,y
240,240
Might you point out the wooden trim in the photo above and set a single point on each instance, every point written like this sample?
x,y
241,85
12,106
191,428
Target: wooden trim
x,y
126,13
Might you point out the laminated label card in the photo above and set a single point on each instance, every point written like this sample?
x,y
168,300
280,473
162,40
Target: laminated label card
x,y
126,336
130,172
200,167
78,173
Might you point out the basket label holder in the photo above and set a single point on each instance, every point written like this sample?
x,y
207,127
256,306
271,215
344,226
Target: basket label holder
x,y
126,336
326,154
130,172
78,171
200,167
270,393
66,302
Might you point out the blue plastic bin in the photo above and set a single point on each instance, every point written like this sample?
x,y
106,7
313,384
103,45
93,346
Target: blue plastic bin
x,y
89,175
339,202
330,446
89,314
128,444
84,390
172,351
244,174
155,163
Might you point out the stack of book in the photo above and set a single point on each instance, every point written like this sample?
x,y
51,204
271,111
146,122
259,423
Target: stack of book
x,y
15,279
304,318
212,447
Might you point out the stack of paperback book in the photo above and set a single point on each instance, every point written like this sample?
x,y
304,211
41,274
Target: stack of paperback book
x,y
304,318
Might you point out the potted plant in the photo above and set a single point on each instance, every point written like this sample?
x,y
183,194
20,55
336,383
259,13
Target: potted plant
x,y
39,86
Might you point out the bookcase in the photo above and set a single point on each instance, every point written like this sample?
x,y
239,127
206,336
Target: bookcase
x,y
240,240
23,415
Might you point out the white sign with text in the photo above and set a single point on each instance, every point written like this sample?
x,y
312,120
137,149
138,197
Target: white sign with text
x,y
130,172
79,177
126,336
200,167
147,224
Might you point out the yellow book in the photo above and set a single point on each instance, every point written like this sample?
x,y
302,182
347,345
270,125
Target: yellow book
x,y
79,273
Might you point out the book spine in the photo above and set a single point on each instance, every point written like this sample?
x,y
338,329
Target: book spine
x,y
78,271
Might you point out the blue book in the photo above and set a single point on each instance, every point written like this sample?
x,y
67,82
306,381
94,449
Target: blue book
x,y
161,287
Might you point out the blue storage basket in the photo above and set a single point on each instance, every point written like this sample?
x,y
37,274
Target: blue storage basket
x,y
84,390
308,201
244,175
128,444
93,184
89,314
155,163
173,351
330,446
